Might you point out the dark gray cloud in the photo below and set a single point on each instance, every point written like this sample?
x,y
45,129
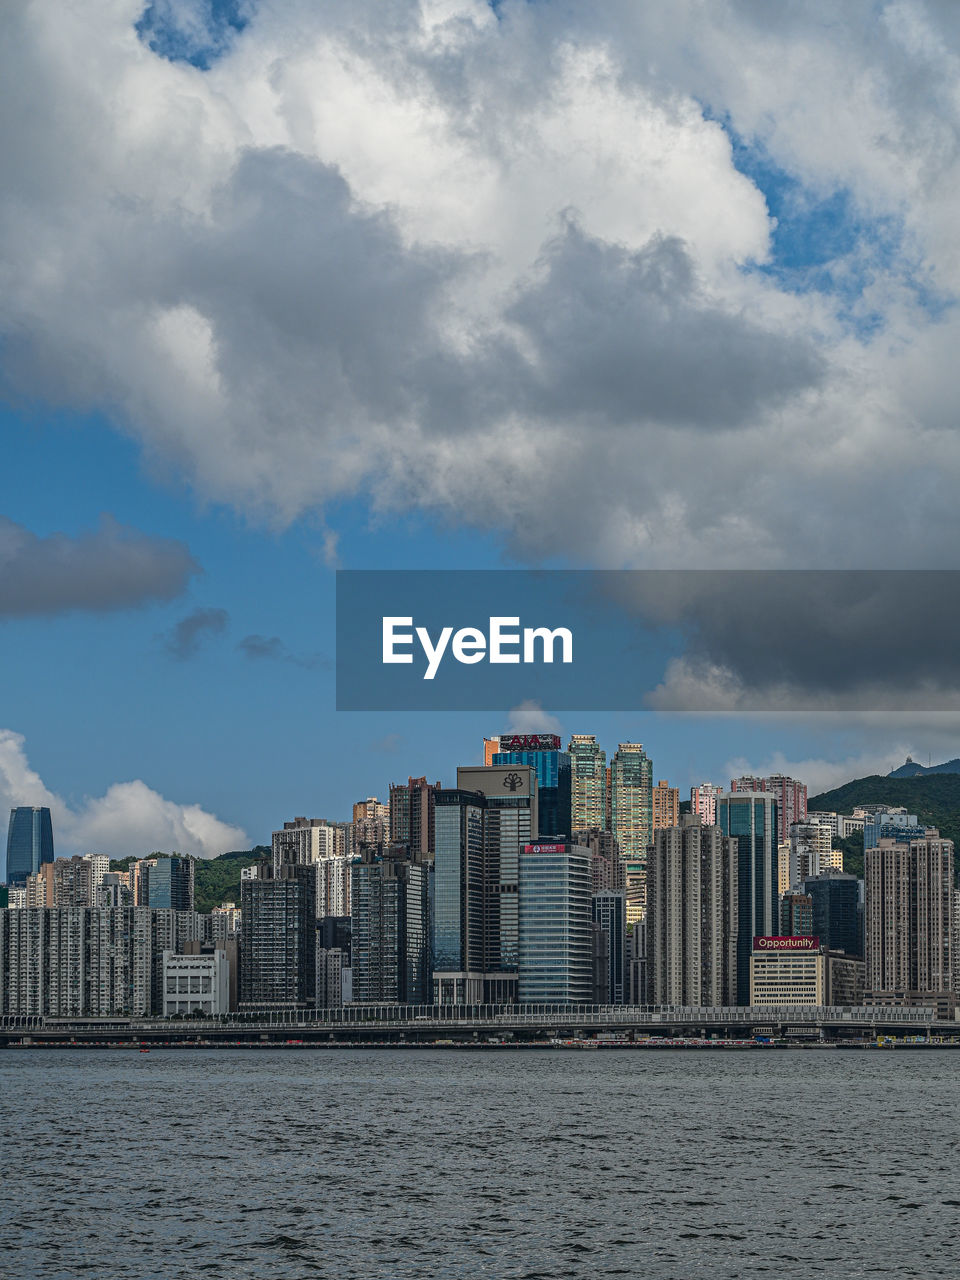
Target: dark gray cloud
x,y
111,567
184,639
272,649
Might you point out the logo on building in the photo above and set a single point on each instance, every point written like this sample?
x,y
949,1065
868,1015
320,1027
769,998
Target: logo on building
x,y
529,742
512,781
786,944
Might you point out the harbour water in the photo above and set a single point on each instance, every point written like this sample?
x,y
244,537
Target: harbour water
x,y
369,1164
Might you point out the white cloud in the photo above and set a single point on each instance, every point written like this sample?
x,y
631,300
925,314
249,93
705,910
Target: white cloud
x,y
530,717
341,262
130,818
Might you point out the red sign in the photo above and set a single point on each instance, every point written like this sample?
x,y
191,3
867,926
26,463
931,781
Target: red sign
x,y
544,848
786,944
529,742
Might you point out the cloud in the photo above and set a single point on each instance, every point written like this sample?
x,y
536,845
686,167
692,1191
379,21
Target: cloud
x,y
530,717
184,639
272,649
129,818
430,255
113,567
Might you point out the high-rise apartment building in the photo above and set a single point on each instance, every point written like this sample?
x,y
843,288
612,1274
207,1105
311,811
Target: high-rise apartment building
x,y
908,919
752,818
306,840
666,806
588,785
692,916
703,802
73,882
40,887
790,795
891,824
541,751
606,867
371,823
390,927
278,937
555,928
29,842
411,814
631,820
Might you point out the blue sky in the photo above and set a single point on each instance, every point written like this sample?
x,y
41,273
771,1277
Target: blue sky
x,y
414,287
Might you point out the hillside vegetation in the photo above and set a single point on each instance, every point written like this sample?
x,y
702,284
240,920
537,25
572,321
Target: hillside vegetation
x,y
934,798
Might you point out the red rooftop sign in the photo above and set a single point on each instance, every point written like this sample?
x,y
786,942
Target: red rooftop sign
x,y
529,742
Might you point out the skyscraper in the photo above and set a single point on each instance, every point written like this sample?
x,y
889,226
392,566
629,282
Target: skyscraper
x,y
411,814
908,920
308,840
29,842
796,915
610,915
278,937
692,916
588,771
169,884
790,795
631,819
390,927
371,823
481,826
554,778
703,802
555,934
836,911
753,819
666,806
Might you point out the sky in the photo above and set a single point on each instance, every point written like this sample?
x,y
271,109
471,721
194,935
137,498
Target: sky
x,y
287,287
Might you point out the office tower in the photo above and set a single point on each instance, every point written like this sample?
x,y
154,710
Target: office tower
x,y
542,752
278,937
908,920
796,915
606,868
40,887
555,926
788,970
790,795
753,819
371,823
666,806
480,826
631,820
390,927
609,911
836,911
73,882
692,916
588,782
465,943
490,748
29,842
703,802
306,840
411,814
169,884
891,824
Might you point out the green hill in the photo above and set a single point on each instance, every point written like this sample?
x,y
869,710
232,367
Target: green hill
x,y
215,880
934,798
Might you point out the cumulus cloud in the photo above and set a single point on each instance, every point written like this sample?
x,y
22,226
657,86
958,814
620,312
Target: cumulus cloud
x,y
111,567
130,818
186,636
530,717
501,265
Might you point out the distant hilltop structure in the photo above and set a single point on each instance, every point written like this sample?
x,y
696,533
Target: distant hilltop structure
x,y
910,768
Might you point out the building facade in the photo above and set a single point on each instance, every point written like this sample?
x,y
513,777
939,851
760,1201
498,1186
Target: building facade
x,y
631,820
666,806
791,971
609,912
278,937
556,927
588,782
790,795
29,842
390,927
752,819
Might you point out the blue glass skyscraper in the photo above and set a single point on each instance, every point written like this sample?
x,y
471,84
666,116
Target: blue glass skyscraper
x,y
751,816
554,782
29,842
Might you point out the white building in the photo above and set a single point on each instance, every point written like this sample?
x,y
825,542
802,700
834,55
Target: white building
x,y
787,971
196,984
